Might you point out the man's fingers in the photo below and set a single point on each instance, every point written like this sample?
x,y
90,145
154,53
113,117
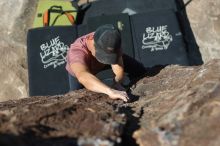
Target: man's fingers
x,y
120,95
125,96
125,99
124,93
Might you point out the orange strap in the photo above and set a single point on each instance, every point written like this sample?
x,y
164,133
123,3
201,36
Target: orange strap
x,y
46,16
70,17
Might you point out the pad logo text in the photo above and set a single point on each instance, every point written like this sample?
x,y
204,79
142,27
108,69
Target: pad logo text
x,y
156,38
53,52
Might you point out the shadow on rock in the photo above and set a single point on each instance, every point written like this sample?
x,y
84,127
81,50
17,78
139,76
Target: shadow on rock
x,y
132,123
29,139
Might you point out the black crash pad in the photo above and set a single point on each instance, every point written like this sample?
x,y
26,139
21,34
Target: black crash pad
x,y
46,48
109,7
158,39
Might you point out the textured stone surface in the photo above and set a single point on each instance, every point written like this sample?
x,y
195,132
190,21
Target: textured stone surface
x,y
179,106
13,72
81,118
204,17
16,18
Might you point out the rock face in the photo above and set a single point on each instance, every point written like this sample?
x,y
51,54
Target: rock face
x,y
79,118
204,18
16,18
180,106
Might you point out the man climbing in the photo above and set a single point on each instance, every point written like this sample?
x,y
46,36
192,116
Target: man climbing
x,y
90,54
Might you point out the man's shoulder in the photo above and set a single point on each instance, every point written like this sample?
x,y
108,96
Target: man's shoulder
x,y
80,42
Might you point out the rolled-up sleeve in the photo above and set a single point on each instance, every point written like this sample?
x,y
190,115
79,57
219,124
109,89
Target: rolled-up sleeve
x,y
75,55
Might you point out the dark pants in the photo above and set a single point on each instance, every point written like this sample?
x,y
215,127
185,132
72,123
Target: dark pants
x,y
133,68
74,83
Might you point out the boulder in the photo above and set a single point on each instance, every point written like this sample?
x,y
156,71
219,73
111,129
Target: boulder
x,y
175,106
79,118
181,106
204,17
16,17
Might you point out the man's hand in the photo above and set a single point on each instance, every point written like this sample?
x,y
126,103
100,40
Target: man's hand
x,y
92,83
116,94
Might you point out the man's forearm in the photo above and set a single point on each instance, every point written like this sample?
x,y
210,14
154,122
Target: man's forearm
x,y
119,78
92,83
119,74
118,70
